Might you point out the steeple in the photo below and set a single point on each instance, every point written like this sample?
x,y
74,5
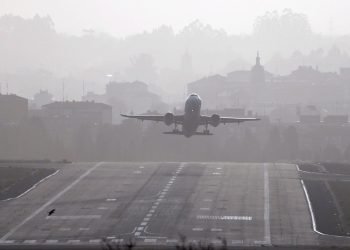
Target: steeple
x,y
257,72
257,60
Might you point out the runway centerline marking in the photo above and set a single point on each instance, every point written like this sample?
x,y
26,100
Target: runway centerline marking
x,y
52,200
267,206
155,204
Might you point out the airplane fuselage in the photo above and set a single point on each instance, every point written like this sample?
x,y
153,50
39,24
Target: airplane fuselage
x,y
192,115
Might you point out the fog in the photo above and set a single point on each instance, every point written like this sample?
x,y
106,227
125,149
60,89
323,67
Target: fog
x,y
286,62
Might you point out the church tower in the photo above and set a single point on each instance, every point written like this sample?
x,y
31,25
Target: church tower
x,y
257,73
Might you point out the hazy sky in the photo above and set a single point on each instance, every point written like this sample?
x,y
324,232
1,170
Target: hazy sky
x,y
124,17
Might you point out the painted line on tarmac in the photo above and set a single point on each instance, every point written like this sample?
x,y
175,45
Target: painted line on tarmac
x,y
111,199
155,204
52,200
7,241
267,205
172,241
236,242
95,241
29,242
150,241
73,241
224,217
72,217
51,241
204,208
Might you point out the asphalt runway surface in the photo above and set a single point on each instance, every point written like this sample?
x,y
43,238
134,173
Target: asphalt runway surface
x,y
247,204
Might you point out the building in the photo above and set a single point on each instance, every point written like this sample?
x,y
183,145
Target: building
x,y
78,113
13,109
41,98
309,114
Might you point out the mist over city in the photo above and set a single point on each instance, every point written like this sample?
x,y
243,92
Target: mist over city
x,y
242,105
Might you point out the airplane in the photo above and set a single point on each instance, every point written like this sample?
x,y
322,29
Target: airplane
x,y
191,119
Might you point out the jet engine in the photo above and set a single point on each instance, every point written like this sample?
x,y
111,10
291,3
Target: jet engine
x,y
215,120
168,119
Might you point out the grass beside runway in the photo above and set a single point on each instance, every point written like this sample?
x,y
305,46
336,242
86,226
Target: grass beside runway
x,y
341,191
330,199
14,181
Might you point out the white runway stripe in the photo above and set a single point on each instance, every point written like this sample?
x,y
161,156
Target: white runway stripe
x,y
29,241
172,241
223,217
150,240
51,241
267,205
95,241
7,241
111,199
73,241
72,217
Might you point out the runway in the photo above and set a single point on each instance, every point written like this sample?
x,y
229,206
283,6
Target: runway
x,y
247,204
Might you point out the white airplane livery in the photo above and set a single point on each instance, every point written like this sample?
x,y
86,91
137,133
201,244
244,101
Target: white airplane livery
x,y
191,119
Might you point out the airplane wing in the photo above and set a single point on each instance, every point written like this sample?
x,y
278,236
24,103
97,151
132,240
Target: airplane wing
x,y
216,119
156,118
225,120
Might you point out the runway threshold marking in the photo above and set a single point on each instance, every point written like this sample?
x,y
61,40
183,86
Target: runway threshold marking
x,y
111,199
267,205
223,217
51,241
95,241
29,241
72,217
52,200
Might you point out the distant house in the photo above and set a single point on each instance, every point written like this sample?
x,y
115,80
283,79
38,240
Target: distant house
x,y
125,97
78,113
309,114
13,109
41,98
